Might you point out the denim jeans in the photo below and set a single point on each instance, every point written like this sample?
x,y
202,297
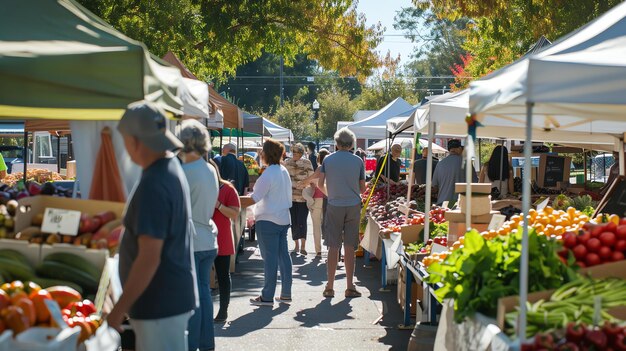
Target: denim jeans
x,y
161,334
273,244
201,333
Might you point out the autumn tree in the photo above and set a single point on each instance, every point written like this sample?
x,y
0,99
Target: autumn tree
x,y
503,30
214,37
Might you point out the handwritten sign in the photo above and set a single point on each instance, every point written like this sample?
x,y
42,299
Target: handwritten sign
x,y
496,221
436,248
543,204
55,313
60,221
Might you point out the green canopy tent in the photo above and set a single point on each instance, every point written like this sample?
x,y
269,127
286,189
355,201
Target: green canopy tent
x,y
60,61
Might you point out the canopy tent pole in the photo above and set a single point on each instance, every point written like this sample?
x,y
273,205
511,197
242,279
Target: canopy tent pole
x,y
469,151
411,176
480,154
221,141
501,164
523,282
25,155
432,129
620,149
387,137
58,153
584,152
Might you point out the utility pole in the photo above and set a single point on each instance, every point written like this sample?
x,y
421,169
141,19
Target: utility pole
x,y
282,97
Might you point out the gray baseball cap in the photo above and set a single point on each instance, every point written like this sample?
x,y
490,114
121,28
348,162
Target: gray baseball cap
x,y
146,121
230,146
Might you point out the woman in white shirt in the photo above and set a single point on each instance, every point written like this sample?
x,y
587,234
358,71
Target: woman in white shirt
x,y
272,198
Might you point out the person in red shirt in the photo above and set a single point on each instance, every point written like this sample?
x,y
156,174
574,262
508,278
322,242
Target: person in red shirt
x,y
226,209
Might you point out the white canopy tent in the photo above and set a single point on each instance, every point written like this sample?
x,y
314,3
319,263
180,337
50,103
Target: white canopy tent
x,y
406,142
277,132
578,81
374,127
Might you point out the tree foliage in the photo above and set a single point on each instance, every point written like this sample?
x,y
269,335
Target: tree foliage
x,y
503,30
335,106
296,115
438,49
214,37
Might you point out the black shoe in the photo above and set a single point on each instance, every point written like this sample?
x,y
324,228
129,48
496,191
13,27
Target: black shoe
x,y
220,319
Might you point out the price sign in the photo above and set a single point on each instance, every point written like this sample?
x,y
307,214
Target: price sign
x,y
60,221
436,248
543,204
496,221
55,313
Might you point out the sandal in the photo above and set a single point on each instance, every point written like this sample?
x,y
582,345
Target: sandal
x,y
258,301
352,292
328,292
281,299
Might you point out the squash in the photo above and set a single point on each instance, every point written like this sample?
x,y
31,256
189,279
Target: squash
x,y
38,298
29,309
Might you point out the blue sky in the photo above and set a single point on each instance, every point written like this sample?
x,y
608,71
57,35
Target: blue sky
x,y
383,11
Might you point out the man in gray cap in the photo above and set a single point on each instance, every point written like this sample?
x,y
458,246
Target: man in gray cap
x,y
155,253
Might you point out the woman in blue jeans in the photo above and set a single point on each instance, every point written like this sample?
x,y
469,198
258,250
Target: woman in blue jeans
x,y
204,188
272,198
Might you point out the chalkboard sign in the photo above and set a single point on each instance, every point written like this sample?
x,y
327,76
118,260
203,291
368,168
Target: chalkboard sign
x,y
553,169
614,201
553,173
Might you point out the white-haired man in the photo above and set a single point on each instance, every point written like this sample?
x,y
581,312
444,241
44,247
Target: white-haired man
x,y
343,180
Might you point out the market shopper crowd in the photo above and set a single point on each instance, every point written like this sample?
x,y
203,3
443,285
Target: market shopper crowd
x,y
179,219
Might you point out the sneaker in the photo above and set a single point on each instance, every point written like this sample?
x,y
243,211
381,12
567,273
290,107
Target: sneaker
x,y
258,301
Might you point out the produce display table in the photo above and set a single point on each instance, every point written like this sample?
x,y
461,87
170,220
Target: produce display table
x,y
419,274
476,334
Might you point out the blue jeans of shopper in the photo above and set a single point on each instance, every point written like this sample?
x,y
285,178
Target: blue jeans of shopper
x,y
273,244
201,333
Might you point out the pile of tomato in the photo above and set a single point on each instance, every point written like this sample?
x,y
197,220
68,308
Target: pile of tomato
x,y
595,244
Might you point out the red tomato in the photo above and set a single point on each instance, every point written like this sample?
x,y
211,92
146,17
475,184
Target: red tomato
x,y
605,253
583,238
620,245
608,239
617,256
621,231
580,251
610,227
592,259
595,232
594,244
569,240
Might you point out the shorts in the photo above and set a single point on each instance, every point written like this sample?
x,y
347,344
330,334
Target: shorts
x,y
342,225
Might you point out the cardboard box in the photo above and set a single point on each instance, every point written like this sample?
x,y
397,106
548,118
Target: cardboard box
x,y
457,216
481,204
31,206
416,291
411,233
477,188
613,269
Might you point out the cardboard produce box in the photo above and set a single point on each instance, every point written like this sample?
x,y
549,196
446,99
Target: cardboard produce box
x,y
29,207
416,290
32,252
613,269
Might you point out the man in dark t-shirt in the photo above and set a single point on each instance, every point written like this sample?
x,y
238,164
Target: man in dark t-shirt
x,y
312,155
155,266
233,169
391,172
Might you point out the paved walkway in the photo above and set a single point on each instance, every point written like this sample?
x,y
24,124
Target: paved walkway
x,y
311,322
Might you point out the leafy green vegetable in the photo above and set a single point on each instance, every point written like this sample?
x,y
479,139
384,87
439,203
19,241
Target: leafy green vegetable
x,y
482,271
